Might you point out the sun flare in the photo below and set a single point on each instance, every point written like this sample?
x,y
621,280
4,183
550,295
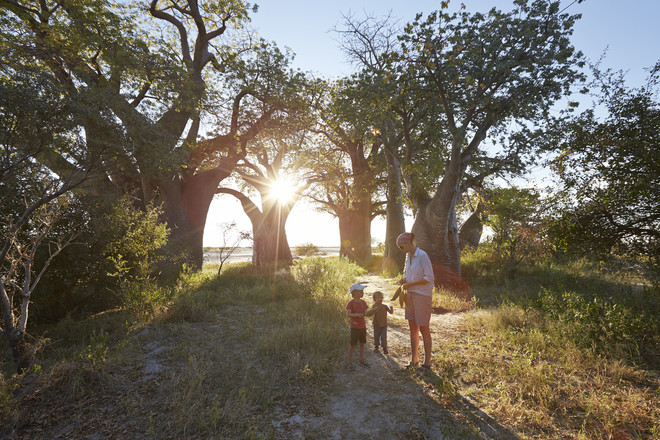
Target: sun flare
x,y
283,189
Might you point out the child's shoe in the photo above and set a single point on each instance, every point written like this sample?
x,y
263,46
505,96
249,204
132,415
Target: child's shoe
x,y
365,364
376,349
350,366
385,350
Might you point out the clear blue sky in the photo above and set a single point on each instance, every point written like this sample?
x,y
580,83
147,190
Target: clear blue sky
x,y
629,31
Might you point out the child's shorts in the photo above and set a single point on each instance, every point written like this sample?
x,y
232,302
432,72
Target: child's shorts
x,y
358,334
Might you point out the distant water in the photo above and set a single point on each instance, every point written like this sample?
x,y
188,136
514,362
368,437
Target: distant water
x,y
245,254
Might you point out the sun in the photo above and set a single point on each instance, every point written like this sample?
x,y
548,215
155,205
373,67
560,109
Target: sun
x,y
283,189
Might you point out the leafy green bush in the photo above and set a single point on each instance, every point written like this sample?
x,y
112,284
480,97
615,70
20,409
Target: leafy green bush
x,y
135,240
605,324
306,250
608,310
325,276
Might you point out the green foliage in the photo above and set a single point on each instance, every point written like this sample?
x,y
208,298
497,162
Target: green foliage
x,y
86,339
324,277
614,326
379,247
515,216
487,262
306,250
591,306
607,161
7,402
97,349
134,239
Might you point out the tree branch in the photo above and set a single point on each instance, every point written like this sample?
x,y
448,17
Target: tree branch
x,y
183,34
249,207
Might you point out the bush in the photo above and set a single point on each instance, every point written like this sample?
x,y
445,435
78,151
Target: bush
x,y
133,249
326,276
605,324
306,250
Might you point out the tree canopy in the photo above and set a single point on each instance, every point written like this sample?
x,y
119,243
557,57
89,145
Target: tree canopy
x,y
608,165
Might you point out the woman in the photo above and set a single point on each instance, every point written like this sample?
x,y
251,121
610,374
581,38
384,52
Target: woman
x,y
418,282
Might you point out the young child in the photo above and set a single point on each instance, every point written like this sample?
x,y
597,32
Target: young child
x,y
379,311
355,311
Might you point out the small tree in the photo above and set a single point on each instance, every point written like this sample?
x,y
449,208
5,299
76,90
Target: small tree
x,y
33,196
134,239
231,240
514,215
19,271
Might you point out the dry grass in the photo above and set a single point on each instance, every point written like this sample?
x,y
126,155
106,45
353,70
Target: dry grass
x,y
231,351
214,363
449,301
546,388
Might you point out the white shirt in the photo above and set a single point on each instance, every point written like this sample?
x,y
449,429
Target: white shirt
x,y
417,268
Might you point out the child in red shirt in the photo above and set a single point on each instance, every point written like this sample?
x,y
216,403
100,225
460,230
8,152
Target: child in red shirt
x,y
355,311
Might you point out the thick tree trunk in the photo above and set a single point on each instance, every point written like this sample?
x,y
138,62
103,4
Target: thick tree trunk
x,y
186,205
355,231
436,232
271,246
470,231
436,227
394,258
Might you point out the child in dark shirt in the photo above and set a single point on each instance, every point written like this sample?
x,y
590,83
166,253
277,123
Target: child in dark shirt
x,y
379,311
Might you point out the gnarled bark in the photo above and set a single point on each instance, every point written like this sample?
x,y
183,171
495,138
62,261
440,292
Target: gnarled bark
x,y
355,232
271,245
186,205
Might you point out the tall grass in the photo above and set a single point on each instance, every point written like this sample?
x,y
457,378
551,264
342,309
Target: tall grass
x,y
320,277
225,354
289,328
562,350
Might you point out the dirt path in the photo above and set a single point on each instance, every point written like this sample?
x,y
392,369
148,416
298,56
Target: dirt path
x,y
386,402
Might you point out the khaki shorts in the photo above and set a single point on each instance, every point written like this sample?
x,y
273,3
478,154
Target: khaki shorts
x,y
419,309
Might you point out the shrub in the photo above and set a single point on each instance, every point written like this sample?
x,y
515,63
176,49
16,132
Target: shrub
x,y
324,276
306,250
601,323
